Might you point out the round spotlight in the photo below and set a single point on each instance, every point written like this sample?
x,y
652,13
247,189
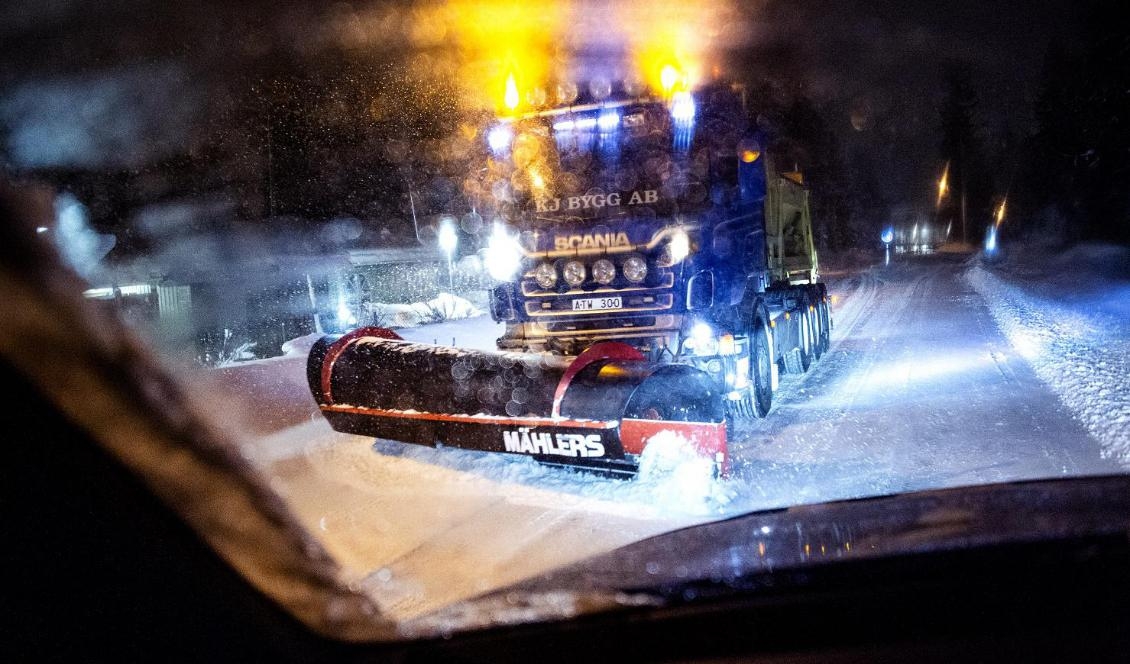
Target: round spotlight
x,y
635,269
574,273
546,275
603,271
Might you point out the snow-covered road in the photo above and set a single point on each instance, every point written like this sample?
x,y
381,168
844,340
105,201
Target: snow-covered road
x,y
920,390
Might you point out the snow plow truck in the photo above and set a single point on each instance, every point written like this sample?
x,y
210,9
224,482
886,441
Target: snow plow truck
x,y
655,274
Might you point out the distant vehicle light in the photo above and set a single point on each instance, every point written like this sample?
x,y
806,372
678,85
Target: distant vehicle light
x,y
888,235
635,269
603,271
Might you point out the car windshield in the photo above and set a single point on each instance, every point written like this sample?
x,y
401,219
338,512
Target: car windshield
x,y
484,288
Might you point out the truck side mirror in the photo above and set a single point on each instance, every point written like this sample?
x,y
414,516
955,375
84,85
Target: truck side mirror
x,y
700,291
502,304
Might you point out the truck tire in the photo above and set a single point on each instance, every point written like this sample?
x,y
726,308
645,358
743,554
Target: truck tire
x,y
825,318
798,359
758,397
816,326
761,368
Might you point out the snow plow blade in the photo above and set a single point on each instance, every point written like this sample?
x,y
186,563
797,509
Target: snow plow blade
x,y
597,411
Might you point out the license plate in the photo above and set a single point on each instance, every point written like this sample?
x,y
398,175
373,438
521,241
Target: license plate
x,y
594,303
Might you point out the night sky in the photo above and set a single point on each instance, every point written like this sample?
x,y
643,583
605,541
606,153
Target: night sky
x,y
137,81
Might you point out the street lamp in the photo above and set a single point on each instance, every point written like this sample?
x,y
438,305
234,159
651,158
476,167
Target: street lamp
x,y
448,240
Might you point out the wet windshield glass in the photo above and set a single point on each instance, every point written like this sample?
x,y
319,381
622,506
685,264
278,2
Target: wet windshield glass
x,y
488,287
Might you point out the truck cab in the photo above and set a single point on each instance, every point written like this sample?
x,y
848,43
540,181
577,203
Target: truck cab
x,y
662,224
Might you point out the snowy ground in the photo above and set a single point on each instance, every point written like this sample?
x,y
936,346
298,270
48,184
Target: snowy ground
x,y
1073,326
919,390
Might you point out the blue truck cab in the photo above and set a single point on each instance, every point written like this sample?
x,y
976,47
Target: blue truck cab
x,y
659,223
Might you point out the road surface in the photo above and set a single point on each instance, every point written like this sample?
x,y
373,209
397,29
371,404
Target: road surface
x,y
919,390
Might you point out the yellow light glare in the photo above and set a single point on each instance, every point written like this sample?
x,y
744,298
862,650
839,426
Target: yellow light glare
x,y
511,97
1000,211
536,179
750,156
943,183
668,77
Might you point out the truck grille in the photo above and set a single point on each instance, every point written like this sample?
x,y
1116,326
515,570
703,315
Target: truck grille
x,y
601,323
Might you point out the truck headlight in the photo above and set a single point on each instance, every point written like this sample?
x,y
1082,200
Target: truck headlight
x,y
676,249
603,271
574,273
702,340
635,269
546,275
502,254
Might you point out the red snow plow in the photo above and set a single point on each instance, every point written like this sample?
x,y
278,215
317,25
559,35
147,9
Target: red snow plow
x,y
598,411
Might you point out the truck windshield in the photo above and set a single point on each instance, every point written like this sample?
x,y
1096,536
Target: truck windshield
x,y
616,160
487,287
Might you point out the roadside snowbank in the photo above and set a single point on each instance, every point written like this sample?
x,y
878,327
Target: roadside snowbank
x,y
1067,314
444,306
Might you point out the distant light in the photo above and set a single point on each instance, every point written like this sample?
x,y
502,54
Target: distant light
x,y
683,108
750,156
585,123
40,229
499,138
888,235
136,289
991,240
448,240
943,183
608,121
1000,211
564,126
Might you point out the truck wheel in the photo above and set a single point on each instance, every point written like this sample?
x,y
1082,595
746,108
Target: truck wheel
x,y
799,359
758,397
807,340
816,325
825,318
761,366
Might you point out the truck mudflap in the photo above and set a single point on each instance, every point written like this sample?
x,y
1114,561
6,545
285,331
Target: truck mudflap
x,y
598,411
